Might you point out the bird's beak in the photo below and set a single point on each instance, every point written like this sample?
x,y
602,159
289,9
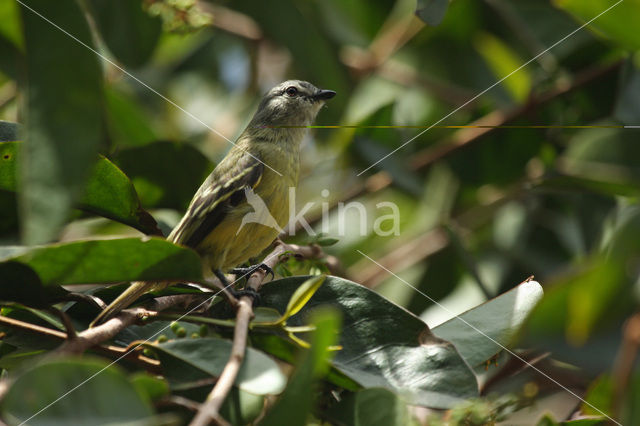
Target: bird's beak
x,y
323,95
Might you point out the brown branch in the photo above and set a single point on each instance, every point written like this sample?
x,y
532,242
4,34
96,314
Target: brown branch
x,y
105,331
627,355
210,409
111,351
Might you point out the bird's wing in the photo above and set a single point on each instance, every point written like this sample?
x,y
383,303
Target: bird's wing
x,y
213,202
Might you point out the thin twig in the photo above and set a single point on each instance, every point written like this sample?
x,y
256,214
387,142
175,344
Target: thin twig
x,y
210,409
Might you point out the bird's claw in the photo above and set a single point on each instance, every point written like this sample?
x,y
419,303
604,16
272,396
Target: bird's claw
x,y
253,294
249,270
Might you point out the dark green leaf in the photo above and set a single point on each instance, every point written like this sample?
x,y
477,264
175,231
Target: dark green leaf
x,y
81,391
128,126
109,261
377,337
129,32
63,115
19,283
159,174
108,191
495,323
294,406
432,11
188,360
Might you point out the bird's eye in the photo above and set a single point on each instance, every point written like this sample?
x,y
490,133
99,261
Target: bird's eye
x,y
291,91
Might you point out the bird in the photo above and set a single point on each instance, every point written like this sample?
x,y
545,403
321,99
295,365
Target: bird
x,y
265,161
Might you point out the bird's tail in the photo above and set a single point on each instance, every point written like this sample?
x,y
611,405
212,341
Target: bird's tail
x,y
123,301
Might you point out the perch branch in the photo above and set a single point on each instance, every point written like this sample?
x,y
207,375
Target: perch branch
x,y
210,409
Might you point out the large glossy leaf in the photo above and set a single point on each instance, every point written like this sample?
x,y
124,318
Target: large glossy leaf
x,y
47,395
480,333
383,345
108,191
158,172
294,406
63,115
130,33
185,361
109,261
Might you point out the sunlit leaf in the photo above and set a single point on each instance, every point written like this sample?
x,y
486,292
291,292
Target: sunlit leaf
x,y
616,20
377,336
110,261
481,332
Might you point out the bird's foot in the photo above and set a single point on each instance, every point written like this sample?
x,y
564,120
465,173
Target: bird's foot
x,y
254,295
249,270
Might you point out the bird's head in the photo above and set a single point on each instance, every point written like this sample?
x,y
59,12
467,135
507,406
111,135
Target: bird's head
x,y
291,103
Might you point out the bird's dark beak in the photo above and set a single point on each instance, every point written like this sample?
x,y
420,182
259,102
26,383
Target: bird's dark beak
x,y
324,95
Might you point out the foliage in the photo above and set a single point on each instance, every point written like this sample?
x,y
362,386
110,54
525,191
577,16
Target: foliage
x,y
113,112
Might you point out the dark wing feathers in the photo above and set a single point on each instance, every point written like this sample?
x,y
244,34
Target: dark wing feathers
x,y
208,211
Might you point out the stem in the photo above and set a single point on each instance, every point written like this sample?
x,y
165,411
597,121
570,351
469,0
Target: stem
x,y
210,409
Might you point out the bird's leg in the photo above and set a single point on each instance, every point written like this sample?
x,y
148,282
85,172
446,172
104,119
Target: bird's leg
x,y
237,293
247,271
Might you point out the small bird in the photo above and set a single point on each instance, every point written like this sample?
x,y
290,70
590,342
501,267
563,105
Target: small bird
x,y
265,160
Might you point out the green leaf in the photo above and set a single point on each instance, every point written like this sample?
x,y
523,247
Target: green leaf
x,y
109,261
296,402
103,395
301,296
377,337
10,24
108,191
370,407
128,125
497,320
241,408
188,360
503,61
151,387
158,172
129,32
63,115
617,24
432,11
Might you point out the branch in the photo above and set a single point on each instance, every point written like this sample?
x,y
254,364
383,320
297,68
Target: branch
x,y
111,351
210,409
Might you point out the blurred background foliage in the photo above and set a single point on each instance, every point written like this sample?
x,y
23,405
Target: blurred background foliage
x,y
481,209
